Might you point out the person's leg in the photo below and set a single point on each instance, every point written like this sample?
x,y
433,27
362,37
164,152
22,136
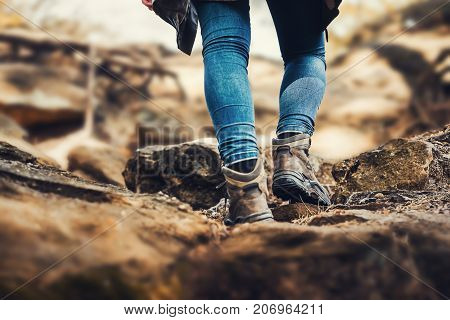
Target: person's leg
x,y
226,43
303,52
225,31
302,90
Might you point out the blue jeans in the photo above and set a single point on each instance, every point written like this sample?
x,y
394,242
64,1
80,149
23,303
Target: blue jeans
x,y
225,31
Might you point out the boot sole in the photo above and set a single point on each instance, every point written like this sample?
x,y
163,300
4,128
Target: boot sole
x,y
293,186
265,216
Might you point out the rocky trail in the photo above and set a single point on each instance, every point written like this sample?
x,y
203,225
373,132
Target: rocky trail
x,y
84,217
386,236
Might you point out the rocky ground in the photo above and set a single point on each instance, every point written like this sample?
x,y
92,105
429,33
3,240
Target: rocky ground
x,y
66,237
83,215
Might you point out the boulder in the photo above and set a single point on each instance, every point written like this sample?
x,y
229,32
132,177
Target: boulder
x,y
99,164
420,163
36,95
189,171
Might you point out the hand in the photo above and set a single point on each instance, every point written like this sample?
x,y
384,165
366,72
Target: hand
x,y
148,4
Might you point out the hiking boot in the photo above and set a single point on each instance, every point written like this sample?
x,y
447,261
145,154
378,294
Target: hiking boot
x,y
294,177
248,196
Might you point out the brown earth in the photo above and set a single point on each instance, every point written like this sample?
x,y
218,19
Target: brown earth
x,y
66,237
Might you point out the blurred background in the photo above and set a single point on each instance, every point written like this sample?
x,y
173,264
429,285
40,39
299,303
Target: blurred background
x,y
79,76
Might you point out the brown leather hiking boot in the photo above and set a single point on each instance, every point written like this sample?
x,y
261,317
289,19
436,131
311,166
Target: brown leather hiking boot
x,y
294,178
248,196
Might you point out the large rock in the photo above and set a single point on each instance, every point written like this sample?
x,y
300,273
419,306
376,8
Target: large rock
x,y
99,164
420,163
36,95
189,171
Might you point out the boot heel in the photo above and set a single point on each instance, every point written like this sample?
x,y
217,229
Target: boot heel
x,y
294,187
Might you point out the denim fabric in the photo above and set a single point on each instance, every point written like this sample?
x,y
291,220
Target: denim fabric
x,y
226,39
